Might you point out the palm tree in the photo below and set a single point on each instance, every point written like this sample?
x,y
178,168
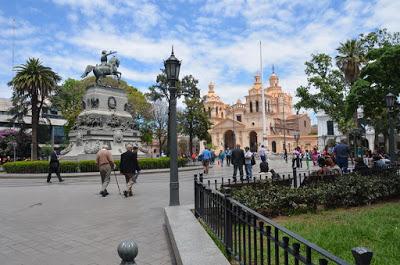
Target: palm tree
x,y
35,82
350,59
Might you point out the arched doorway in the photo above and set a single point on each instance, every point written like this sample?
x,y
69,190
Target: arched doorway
x,y
253,141
229,139
273,147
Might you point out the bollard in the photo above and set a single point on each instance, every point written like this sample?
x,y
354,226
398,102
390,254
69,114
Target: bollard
x,y
362,255
128,250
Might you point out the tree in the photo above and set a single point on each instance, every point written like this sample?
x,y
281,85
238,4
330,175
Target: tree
x,y
35,82
68,99
379,77
350,59
10,137
193,120
160,122
330,90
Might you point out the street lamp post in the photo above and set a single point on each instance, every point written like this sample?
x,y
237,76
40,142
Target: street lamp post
x,y
172,66
296,136
390,103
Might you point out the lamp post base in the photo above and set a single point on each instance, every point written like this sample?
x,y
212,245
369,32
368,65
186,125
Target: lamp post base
x,y
173,193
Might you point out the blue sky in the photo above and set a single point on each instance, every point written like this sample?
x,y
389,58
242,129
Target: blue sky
x,y
217,41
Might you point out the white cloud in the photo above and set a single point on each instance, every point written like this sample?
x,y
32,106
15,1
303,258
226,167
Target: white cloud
x,y
385,14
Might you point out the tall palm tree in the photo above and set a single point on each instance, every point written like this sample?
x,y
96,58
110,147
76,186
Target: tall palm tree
x,y
34,81
350,58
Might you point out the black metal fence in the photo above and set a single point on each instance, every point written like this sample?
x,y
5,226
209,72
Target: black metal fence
x,y
251,238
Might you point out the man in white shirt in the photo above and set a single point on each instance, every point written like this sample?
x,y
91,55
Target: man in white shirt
x,y
262,153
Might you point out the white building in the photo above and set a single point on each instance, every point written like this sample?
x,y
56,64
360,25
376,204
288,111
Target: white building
x,y
329,130
51,122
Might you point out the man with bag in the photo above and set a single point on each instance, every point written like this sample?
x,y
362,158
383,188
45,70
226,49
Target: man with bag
x,y
129,165
54,167
106,164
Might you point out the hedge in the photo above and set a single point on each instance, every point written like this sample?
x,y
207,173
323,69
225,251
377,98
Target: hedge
x,y
83,166
346,191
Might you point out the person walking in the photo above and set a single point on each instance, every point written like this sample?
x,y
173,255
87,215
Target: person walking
x,y
206,157
105,163
221,157
308,159
341,152
237,161
129,165
54,167
248,163
263,154
228,154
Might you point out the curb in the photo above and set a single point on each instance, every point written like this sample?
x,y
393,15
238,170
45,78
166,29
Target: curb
x,y
89,174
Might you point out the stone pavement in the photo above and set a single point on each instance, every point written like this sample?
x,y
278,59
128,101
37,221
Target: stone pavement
x,y
70,224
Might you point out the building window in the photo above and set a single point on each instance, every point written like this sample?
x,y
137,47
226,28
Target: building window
x,y
216,111
329,126
305,124
222,114
251,106
239,118
209,112
256,106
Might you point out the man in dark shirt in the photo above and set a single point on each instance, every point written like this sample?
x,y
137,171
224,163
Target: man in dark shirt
x,y
129,165
341,152
54,167
237,161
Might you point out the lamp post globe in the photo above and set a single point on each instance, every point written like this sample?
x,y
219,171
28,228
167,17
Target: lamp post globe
x,y
390,100
172,67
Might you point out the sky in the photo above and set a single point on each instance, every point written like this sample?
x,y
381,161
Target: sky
x,y
217,40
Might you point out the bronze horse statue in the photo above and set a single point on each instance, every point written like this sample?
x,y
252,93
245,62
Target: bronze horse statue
x,y
104,69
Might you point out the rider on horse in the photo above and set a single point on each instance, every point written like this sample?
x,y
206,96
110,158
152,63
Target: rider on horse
x,y
103,58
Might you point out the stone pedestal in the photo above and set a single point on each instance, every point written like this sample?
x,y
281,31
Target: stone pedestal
x,y
103,121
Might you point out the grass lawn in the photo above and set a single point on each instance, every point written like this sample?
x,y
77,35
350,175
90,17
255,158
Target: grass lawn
x,y
376,227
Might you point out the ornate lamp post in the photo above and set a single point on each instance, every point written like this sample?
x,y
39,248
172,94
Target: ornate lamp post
x,y
172,66
390,104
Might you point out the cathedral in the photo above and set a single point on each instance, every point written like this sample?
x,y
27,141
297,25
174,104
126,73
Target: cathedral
x,y
242,123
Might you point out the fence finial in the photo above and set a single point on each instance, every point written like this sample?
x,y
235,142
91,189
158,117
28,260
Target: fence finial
x,y
128,250
362,255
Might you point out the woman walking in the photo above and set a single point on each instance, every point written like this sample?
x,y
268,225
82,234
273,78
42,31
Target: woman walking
x,y
221,157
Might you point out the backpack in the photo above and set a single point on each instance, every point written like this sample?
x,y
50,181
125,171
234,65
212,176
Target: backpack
x,y
253,160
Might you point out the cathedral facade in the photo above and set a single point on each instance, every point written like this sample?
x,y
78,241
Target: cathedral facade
x,y
242,122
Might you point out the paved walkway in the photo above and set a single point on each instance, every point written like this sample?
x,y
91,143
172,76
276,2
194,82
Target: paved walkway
x,y
69,223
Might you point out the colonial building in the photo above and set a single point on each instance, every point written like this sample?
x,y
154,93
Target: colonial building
x,y
241,123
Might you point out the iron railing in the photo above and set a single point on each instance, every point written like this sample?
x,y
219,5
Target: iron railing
x,y
250,237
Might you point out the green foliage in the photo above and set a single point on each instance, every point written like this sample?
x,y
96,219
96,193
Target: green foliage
x,y
346,191
33,83
7,140
68,99
329,86
378,78
193,121
82,166
46,150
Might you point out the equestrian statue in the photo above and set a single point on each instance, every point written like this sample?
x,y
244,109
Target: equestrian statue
x,y
105,68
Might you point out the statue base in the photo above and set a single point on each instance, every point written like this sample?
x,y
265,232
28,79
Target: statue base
x,y
104,121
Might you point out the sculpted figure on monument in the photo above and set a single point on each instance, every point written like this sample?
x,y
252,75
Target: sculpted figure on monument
x,y
105,68
94,102
118,136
